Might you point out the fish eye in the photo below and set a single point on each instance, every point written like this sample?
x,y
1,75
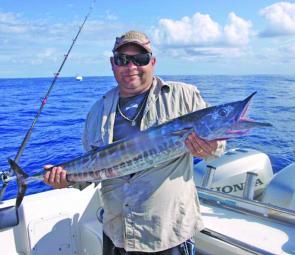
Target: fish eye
x,y
222,112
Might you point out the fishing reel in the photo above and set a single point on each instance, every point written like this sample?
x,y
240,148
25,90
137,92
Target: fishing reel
x,y
9,216
4,176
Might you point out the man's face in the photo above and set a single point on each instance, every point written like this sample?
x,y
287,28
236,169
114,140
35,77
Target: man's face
x,y
133,79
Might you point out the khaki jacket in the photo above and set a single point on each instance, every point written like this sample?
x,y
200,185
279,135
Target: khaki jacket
x,y
158,208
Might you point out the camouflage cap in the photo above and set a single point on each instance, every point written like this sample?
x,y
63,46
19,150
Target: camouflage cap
x,y
134,37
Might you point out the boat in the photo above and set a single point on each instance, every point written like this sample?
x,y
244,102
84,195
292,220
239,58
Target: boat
x,y
79,78
246,208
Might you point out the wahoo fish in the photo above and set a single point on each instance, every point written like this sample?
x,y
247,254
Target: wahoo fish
x,y
153,146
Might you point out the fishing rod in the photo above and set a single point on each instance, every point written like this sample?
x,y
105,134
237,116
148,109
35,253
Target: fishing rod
x,y
5,176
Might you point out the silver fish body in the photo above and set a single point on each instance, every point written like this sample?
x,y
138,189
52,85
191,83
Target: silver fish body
x,y
161,143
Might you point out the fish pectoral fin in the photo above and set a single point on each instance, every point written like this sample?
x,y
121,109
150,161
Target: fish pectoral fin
x,y
248,124
182,133
94,147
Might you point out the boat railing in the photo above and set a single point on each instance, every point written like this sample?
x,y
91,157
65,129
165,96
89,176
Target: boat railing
x,y
247,206
250,249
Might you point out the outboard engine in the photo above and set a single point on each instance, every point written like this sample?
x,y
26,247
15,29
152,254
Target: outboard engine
x,y
231,171
281,189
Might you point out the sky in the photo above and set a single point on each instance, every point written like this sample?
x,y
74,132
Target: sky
x,y
230,37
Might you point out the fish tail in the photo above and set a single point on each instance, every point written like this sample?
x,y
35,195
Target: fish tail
x,y
21,181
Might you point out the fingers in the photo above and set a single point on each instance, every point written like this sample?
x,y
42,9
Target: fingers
x,y
47,167
55,176
199,147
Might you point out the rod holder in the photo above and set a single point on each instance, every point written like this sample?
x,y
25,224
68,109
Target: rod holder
x,y
208,177
250,183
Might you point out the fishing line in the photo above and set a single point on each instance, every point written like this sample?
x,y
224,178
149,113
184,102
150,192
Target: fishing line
x,y
5,176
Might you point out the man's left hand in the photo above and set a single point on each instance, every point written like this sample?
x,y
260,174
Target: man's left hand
x,y
199,147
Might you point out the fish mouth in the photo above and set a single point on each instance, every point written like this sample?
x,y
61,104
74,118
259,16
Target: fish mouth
x,y
245,108
243,123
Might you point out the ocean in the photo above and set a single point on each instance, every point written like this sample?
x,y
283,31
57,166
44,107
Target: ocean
x,y
57,134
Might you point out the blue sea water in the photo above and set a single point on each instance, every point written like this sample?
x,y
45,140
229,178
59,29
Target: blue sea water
x,y
57,134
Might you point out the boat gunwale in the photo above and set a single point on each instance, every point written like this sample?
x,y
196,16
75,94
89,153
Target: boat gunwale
x,y
246,206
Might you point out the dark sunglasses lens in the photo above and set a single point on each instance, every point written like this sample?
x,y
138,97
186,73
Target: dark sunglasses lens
x,y
141,59
121,60
138,60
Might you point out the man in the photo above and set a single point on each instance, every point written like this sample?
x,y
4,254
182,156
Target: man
x,y
156,210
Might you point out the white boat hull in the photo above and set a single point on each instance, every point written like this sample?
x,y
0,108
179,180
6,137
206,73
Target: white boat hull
x,y
67,221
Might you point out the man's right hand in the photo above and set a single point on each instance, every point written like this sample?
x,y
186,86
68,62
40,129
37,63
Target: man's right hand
x,y
55,177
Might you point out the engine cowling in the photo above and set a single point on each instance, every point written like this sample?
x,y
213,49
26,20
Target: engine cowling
x,y
232,168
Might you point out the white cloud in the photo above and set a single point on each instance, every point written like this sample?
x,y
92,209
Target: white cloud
x,y
198,30
201,36
203,53
217,52
12,23
278,55
46,42
281,19
237,32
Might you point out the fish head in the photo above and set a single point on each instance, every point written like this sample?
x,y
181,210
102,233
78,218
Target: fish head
x,y
226,121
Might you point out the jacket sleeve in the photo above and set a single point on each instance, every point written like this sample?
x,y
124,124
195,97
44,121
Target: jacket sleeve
x,y
90,128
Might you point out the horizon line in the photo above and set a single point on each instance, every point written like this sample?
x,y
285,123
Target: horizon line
x,y
94,76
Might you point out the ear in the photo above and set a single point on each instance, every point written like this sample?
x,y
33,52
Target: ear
x,y
153,61
112,62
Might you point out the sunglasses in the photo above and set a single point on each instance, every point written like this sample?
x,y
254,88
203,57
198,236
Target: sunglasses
x,y
138,60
